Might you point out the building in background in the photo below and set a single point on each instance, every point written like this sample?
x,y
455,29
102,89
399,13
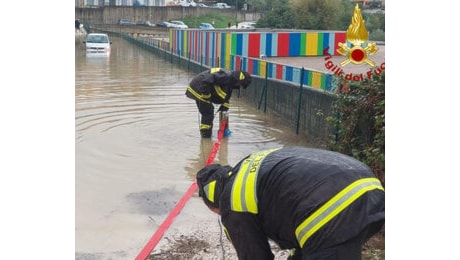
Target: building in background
x,y
92,3
370,3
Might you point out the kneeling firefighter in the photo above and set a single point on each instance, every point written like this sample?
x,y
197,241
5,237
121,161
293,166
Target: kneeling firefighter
x,y
322,205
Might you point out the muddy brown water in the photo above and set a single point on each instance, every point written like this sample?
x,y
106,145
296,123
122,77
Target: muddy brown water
x,y
137,148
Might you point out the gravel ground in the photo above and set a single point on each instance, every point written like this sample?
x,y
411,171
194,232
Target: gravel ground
x,y
207,241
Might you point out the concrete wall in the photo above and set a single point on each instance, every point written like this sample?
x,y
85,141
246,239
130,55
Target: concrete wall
x,y
155,14
302,108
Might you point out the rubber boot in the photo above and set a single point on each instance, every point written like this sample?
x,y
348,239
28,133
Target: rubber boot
x,y
206,133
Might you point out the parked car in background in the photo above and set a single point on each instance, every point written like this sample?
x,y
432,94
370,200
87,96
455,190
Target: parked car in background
x,y
188,3
125,22
206,26
97,43
184,3
166,24
144,23
179,24
221,6
244,25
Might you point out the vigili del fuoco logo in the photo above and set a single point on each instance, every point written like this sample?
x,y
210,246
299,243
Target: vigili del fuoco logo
x,y
357,50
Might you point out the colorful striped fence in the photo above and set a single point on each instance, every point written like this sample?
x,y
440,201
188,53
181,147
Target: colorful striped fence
x,y
242,50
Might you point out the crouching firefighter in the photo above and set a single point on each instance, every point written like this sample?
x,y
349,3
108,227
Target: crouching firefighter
x,y
322,205
215,86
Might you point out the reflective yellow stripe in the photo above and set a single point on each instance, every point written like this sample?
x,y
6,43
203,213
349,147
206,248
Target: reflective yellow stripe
x,y
213,70
244,190
241,76
204,126
227,105
220,92
209,190
202,98
334,206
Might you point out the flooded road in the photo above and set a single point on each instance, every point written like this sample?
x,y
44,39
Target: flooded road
x,y
138,148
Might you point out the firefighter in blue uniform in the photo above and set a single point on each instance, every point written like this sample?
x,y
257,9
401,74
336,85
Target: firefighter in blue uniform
x,y
318,203
214,86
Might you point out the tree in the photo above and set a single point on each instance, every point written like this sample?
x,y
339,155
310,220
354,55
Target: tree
x,y
281,16
258,5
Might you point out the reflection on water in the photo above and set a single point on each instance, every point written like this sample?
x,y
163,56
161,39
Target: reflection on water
x,y
138,147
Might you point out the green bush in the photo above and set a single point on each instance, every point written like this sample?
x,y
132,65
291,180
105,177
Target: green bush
x,y
359,122
377,35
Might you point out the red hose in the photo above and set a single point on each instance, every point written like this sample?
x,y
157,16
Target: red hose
x,y
148,248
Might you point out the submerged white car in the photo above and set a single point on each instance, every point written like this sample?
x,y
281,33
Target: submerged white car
x,y
97,43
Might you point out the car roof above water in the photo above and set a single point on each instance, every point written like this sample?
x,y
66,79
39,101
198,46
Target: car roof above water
x,y
97,38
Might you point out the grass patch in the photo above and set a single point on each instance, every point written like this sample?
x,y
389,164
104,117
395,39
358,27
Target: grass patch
x,y
220,21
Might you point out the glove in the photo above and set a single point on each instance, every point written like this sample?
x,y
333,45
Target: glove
x,y
223,109
294,254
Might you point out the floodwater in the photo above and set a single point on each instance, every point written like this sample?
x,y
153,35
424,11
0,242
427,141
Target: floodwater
x,y
138,148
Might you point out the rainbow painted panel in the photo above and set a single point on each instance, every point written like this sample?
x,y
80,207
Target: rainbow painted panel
x,y
232,50
238,63
272,70
263,44
296,73
316,79
254,45
212,49
239,44
312,44
216,54
303,44
245,49
263,66
288,73
185,43
279,71
255,67
319,44
339,37
250,64
195,38
283,44
325,43
204,45
273,44
227,50
294,48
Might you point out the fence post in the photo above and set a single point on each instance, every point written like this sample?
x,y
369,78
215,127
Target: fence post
x,y
201,63
264,91
188,65
302,71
